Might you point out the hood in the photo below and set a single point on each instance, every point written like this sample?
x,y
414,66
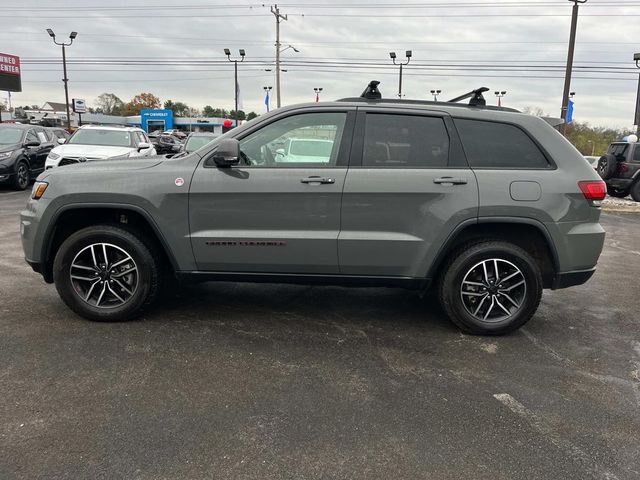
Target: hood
x,y
9,148
91,151
104,167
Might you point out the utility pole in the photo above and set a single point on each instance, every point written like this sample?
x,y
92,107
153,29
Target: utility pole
x,y
279,18
567,75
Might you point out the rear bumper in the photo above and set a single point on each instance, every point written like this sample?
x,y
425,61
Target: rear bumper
x,y
620,183
570,279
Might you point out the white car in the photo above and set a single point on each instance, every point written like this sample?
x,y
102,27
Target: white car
x,y
305,150
92,142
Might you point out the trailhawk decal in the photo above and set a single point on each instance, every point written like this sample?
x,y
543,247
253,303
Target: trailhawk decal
x,y
246,243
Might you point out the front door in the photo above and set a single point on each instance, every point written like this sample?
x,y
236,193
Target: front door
x,y
278,211
407,189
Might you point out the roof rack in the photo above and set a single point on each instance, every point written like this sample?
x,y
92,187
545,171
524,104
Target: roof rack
x,y
477,100
373,94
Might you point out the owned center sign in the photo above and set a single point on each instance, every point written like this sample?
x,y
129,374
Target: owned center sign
x,y
10,73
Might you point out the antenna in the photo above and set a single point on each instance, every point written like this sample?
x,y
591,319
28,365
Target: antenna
x,y
475,96
372,92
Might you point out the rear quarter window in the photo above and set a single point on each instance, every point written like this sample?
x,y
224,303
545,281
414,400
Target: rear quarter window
x,y
498,145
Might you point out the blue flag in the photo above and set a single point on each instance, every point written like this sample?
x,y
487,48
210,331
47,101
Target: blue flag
x,y
266,101
570,111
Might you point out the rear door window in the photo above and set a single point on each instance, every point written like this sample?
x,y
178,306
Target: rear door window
x,y
499,145
405,141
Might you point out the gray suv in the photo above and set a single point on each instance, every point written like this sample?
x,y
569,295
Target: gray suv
x,y
485,205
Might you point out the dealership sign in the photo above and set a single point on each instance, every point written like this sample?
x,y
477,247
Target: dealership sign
x,y
79,105
10,80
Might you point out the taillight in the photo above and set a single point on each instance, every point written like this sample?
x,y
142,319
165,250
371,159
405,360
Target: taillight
x,y
593,189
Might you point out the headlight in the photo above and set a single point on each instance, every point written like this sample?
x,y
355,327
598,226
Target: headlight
x,y
53,156
5,155
38,190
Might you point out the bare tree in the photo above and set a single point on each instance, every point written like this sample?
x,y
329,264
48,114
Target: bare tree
x,y
109,104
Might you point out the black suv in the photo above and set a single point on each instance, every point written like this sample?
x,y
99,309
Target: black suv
x,y
620,169
23,151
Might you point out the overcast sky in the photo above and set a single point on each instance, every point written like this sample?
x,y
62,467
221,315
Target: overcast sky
x,y
519,47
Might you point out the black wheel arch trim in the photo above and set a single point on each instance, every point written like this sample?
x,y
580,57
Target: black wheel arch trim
x,y
446,247
53,224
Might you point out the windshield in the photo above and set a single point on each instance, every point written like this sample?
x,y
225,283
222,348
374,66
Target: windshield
x,y
114,138
197,142
310,148
10,136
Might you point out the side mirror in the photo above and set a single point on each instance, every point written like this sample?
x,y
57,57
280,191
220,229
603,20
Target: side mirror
x,y
176,148
32,144
62,141
280,152
227,154
143,146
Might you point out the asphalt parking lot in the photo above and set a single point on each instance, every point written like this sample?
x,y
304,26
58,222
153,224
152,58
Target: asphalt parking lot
x,y
250,381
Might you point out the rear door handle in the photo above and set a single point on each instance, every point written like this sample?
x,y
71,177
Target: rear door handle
x,y
317,180
450,181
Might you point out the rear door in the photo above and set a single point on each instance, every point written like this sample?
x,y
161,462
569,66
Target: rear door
x,y
272,214
407,189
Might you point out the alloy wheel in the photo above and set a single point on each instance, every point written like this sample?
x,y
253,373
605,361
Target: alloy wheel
x,y
493,290
23,176
104,275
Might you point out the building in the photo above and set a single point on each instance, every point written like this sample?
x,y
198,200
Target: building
x,y
55,114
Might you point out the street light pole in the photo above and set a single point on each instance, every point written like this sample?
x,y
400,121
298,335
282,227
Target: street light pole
x,y
65,80
636,120
435,94
317,90
500,94
392,55
227,52
567,75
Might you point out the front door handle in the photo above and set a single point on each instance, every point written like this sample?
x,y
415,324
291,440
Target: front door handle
x,y
317,180
450,181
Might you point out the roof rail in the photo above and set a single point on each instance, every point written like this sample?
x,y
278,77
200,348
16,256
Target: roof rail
x,y
372,94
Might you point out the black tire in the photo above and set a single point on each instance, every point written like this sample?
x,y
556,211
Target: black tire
x,y
607,166
147,274
461,266
22,177
614,192
635,191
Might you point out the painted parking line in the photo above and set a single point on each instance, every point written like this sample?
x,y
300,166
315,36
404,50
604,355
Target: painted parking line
x,y
538,423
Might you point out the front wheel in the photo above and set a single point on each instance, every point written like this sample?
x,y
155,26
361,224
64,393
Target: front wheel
x,y
23,176
106,273
490,288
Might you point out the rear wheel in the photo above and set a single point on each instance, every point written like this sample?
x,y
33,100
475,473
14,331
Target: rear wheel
x,y
616,192
490,288
106,273
635,191
23,176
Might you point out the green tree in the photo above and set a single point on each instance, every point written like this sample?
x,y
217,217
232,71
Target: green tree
x,y
209,111
241,115
252,115
179,109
